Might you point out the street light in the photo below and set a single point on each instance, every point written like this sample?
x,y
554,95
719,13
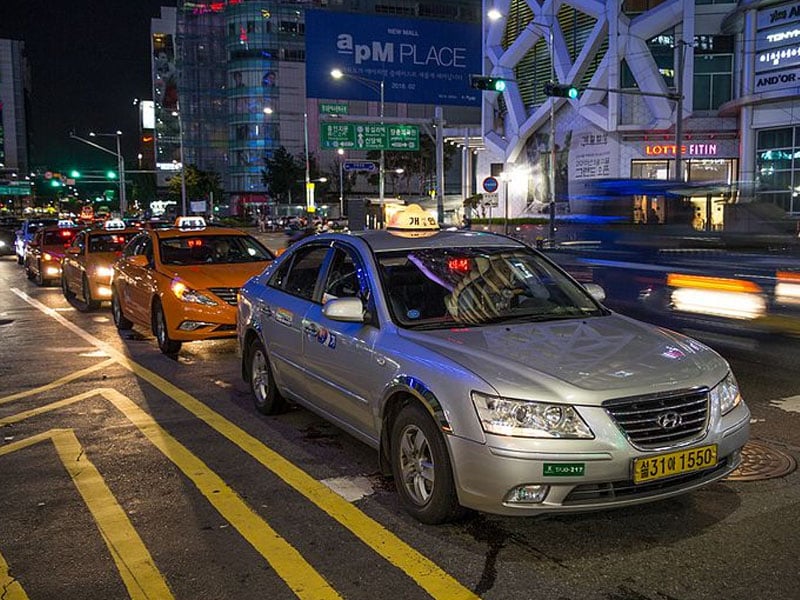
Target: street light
x,y
375,86
123,201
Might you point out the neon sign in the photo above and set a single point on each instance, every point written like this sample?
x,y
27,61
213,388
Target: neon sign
x,y
686,149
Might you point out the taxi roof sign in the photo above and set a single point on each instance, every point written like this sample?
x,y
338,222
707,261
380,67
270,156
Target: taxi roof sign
x,y
191,222
412,221
114,224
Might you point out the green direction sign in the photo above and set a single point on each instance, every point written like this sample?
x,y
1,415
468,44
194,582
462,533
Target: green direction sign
x,y
328,108
369,136
15,190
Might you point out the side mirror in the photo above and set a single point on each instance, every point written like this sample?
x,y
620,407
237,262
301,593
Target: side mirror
x,y
138,260
344,309
595,291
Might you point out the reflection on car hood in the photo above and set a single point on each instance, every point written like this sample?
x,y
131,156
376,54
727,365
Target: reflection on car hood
x,y
613,355
211,276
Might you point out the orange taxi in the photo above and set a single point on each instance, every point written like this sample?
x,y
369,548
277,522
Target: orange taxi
x,y
86,268
182,283
43,254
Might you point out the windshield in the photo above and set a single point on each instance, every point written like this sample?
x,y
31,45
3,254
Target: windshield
x,y
109,242
445,287
212,249
62,237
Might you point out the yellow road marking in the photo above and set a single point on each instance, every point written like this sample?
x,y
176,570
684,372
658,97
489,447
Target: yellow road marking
x,y
58,382
288,563
132,558
426,573
9,586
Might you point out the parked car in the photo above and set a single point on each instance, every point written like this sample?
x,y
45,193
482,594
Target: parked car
x,y
182,283
43,254
27,228
8,227
87,265
485,376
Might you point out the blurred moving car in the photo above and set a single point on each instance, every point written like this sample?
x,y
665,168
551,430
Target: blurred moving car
x,y
27,228
8,227
486,377
44,252
182,283
86,268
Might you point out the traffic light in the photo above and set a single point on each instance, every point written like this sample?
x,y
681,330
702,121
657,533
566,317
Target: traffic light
x,y
493,84
561,90
74,173
111,175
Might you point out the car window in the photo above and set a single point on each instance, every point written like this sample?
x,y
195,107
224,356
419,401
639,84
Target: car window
x,y
343,279
109,242
212,249
136,245
478,286
79,241
298,275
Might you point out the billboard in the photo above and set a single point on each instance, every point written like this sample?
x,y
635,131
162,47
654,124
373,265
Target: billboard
x,y
420,61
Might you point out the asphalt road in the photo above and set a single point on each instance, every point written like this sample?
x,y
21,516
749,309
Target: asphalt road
x,y
124,473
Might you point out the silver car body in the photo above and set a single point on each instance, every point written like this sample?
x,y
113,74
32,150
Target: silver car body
x,y
604,366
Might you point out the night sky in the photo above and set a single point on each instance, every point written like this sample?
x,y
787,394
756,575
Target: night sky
x,y
89,60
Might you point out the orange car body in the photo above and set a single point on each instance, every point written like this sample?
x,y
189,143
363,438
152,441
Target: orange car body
x,y
86,267
164,282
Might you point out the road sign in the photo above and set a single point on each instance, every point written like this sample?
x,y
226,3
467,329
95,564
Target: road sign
x,y
490,184
360,165
490,199
369,136
329,108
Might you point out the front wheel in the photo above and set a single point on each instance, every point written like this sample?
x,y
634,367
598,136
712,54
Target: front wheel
x,y
165,344
122,323
68,293
421,467
39,274
266,397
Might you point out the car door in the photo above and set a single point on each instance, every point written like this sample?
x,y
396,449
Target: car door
x,y
72,266
344,372
281,311
135,284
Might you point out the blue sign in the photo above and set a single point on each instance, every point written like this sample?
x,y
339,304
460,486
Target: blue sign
x,y
360,165
420,61
490,185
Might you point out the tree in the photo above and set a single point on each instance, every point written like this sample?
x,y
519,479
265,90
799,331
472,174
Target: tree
x,y
419,168
284,176
199,184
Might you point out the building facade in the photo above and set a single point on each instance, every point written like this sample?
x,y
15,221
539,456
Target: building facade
x,y
240,86
14,83
669,90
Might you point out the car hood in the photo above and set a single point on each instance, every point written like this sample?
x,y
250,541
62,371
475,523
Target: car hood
x,y
585,360
213,276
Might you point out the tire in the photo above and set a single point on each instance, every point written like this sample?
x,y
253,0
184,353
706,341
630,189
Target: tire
x,y
167,346
88,302
122,323
421,467
266,397
39,279
28,271
68,294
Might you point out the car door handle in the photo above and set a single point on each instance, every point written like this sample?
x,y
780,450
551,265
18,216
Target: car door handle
x,y
310,328
265,310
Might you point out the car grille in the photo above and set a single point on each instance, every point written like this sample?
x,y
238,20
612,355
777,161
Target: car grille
x,y
227,294
602,493
661,420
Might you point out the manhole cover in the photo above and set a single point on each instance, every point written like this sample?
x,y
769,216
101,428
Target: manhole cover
x,y
760,461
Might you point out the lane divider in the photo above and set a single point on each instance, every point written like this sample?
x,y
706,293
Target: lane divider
x,y
426,573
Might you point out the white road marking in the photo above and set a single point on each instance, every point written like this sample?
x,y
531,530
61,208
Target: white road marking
x,y
790,404
350,488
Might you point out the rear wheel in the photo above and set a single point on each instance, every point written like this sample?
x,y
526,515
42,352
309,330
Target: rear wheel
x,y
421,467
122,323
68,294
165,344
88,302
265,393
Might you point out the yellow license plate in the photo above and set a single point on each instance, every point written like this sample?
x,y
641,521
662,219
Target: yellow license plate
x,y
674,463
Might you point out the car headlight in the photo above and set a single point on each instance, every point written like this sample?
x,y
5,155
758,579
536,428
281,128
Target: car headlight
x,y
47,257
726,394
524,418
187,294
104,272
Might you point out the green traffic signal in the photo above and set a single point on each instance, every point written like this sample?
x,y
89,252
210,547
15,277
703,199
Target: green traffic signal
x,y
74,174
561,90
494,84
55,183
111,175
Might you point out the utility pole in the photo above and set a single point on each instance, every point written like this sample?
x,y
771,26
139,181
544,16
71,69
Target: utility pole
x,y
679,112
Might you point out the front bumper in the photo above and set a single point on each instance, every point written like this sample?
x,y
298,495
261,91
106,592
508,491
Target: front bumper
x,y
486,474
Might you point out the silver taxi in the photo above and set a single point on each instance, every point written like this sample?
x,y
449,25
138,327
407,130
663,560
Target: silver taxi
x,y
485,376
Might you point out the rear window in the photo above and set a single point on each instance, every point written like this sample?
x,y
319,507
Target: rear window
x,y
60,237
109,242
